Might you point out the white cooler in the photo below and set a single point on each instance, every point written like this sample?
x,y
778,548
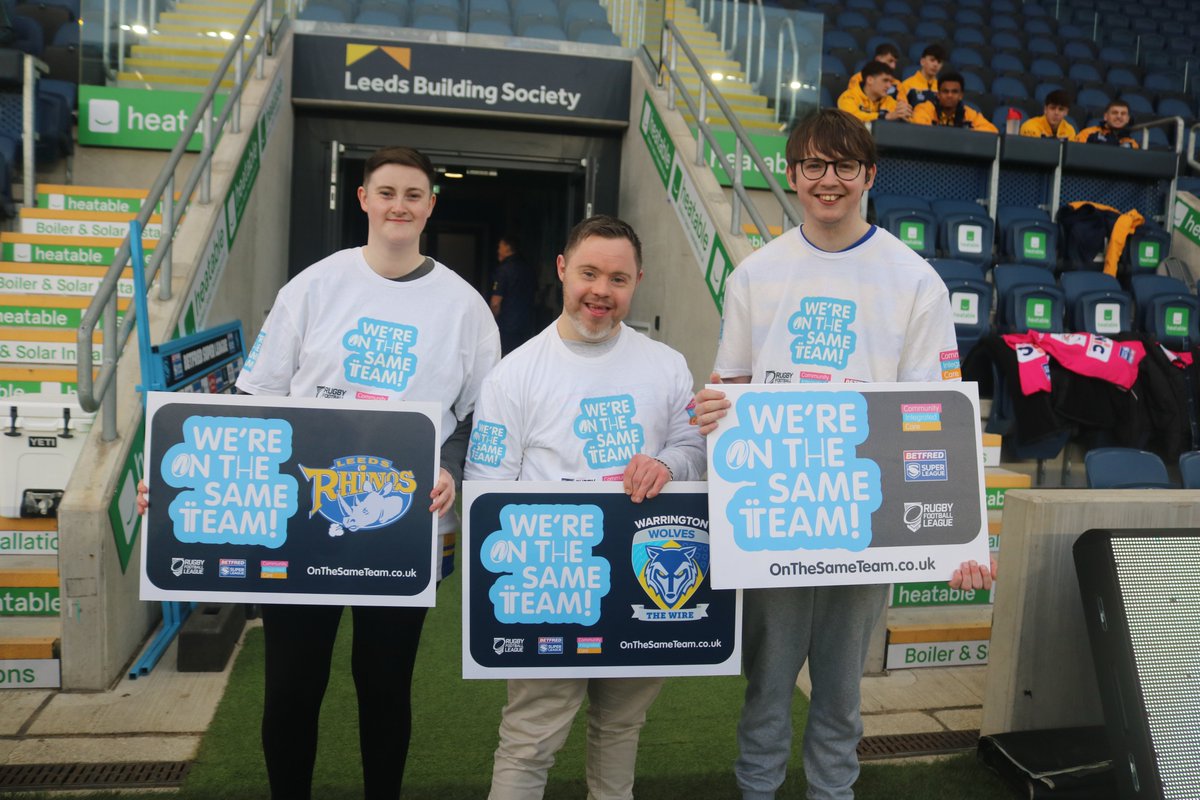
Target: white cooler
x,y
41,437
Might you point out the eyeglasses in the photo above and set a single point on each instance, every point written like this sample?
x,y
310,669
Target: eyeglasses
x,y
815,168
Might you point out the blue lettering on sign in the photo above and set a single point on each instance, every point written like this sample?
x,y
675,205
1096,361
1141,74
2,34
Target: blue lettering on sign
x,y
487,443
380,354
548,571
823,332
804,487
254,351
236,493
610,436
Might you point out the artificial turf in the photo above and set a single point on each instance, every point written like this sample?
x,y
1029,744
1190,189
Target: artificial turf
x,y
687,747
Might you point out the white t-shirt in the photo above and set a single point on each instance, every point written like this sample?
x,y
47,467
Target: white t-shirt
x,y
339,329
874,312
547,413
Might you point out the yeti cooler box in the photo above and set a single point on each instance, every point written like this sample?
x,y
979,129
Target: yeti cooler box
x,y
41,441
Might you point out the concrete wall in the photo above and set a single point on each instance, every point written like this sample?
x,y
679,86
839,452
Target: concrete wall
x,y
673,292
103,622
1040,671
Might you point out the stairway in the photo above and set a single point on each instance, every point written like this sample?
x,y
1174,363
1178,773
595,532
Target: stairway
x,y
751,108
186,46
50,269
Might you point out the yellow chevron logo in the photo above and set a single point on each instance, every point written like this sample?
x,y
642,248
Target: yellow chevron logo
x,y
357,52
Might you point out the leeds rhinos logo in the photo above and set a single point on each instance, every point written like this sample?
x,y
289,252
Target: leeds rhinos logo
x,y
671,559
360,493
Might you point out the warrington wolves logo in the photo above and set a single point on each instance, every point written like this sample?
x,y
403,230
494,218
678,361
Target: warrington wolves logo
x,y
360,493
670,560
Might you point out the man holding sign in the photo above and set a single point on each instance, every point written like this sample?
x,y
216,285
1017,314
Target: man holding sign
x,y
834,301
626,398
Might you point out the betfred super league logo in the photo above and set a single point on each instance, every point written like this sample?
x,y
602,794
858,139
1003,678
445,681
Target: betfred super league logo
x,y
670,559
360,493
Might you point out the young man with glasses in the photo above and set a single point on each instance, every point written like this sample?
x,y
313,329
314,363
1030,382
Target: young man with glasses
x,y
901,330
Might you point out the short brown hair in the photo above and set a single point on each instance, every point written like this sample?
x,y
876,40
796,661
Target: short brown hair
x,y
405,157
606,227
832,132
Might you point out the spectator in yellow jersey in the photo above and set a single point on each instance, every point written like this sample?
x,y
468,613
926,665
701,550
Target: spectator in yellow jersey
x,y
1112,130
870,102
923,84
886,53
948,109
1052,124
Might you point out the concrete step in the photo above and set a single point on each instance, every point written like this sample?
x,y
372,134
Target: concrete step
x,y
35,248
157,80
33,346
25,538
938,637
58,280
24,647
751,125
219,20
92,198
101,224
49,312
166,65
26,379
202,28
181,56
193,42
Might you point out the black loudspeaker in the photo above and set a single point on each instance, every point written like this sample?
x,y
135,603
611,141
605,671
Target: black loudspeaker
x,y
1141,597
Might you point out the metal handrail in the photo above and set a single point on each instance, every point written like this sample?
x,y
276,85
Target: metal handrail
x,y
743,144
1191,148
1177,123
789,28
753,74
97,393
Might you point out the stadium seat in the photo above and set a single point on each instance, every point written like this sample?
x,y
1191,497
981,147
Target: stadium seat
x,y
852,19
1009,87
490,26
580,14
1042,45
968,36
1176,107
598,35
1038,26
934,11
542,30
973,85
1146,248
1003,23
893,25
965,231
839,39
968,16
1189,469
910,220
1080,71
1096,303
1092,97
1163,82
970,301
1046,68
1115,55
434,22
1042,89
378,16
1166,310
1027,236
1079,50
1006,40
966,57
1125,468
930,29
1119,37
1027,299
895,7
1121,77
1008,62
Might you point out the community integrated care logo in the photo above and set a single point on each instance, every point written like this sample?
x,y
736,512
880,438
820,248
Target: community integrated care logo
x,y
360,493
670,559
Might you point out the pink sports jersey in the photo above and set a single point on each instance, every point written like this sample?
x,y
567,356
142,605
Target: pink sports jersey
x,y
1086,354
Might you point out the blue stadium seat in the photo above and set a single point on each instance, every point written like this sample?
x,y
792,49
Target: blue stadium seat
x,y
838,39
1121,77
537,29
580,14
968,16
973,85
1079,50
1125,468
379,16
490,26
965,57
434,22
1042,46
1039,26
1042,89
897,7
970,301
1028,299
1074,32
892,25
1003,23
1163,82
1146,248
1008,62
852,19
930,29
1096,303
971,37
1166,310
317,12
1119,37
965,231
1112,54
833,66
910,220
1027,236
1008,87
1092,97
1084,72
598,36
1006,40
934,11
1176,107
1189,469
1181,44
1045,68
1143,25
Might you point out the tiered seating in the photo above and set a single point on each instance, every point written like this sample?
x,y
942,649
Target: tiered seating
x,y
561,20
1014,57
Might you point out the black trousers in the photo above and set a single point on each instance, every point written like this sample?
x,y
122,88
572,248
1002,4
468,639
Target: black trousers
x,y
299,648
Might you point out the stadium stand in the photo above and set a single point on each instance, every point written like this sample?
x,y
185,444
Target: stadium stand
x,y
1125,468
1189,469
1096,303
